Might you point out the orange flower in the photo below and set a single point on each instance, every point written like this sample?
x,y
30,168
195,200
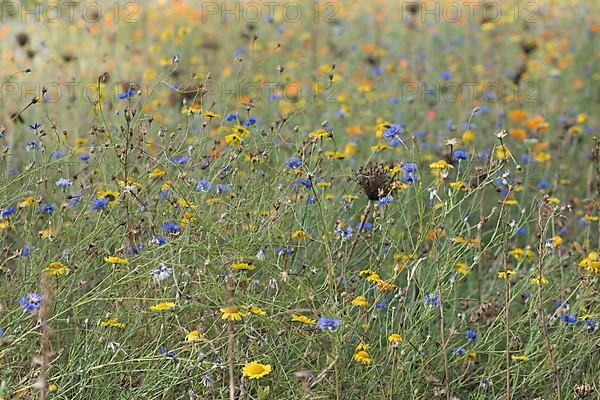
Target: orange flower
x,y
518,134
519,116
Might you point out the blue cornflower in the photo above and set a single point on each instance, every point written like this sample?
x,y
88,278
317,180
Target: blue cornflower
x,y
75,199
446,75
7,213
161,273
31,145
35,126
461,155
203,186
168,353
180,160
326,324
293,163
232,117
568,319
250,121
134,250
459,351
591,325
223,188
432,300
393,135
307,183
1,333
471,336
171,227
284,251
32,302
26,251
344,232
127,95
160,240
543,185
522,231
409,173
58,154
63,183
383,305
386,200
101,204
85,157
47,208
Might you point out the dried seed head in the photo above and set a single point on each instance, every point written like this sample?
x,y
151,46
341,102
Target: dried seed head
x,y
375,180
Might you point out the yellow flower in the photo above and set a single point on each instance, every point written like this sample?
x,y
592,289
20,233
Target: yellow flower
x,y
508,274
56,269
539,281
395,338
472,356
191,110
582,119
188,218
557,241
52,388
211,115
113,323
381,128
462,269
257,311
233,140
363,357
231,313
186,204
380,147
320,134
335,155
131,183
112,196
243,266
363,346
240,131
519,358
468,137
303,319
519,254
163,307
255,370
194,336
502,152
360,301
4,225
116,260
29,201
440,165
157,173
299,235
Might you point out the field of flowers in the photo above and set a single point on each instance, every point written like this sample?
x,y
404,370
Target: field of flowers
x,y
299,200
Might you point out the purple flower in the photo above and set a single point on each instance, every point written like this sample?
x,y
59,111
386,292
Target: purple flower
x,y
568,319
203,186
293,163
326,324
432,300
101,204
47,208
171,227
471,336
32,302
409,173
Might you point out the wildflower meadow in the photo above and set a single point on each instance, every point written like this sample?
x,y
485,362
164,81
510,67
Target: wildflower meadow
x,y
300,199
